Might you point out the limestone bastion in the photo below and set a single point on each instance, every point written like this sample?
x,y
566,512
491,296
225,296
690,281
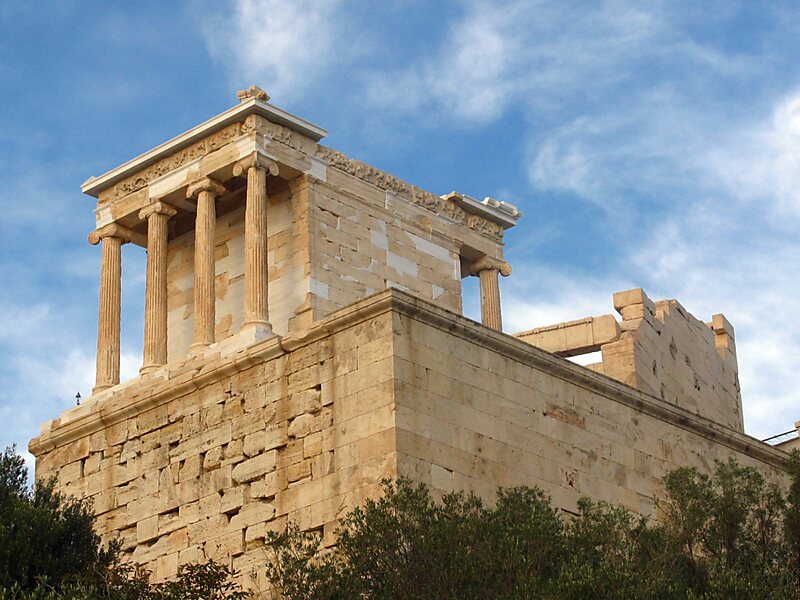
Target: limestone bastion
x,y
304,340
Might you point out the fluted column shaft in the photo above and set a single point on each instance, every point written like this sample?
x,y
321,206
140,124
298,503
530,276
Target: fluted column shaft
x,y
256,271
256,282
112,237
490,299
108,323
155,304
488,270
204,264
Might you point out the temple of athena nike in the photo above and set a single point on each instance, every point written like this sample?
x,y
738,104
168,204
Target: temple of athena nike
x,y
304,339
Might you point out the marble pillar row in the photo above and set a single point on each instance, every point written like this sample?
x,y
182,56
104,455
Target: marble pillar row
x,y
256,272
488,270
157,215
108,323
206,191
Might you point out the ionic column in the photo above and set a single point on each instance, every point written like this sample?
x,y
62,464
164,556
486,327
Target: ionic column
x,y
256,274
155,302
206,190
487,270
108,322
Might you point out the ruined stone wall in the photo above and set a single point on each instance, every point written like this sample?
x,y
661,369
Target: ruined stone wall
x,y
200,462
677,357
658,348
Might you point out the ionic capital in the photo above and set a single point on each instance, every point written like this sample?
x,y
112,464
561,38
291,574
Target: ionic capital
x,y
487,263
258,161
157,208
205,185
115,230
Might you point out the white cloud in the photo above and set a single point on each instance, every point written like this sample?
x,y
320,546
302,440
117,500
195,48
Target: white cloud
x,y
45,365
282,45
537,294
723,240
519,53
472,74
762,163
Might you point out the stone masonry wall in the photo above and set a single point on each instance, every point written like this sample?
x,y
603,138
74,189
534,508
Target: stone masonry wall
x,y
366,241
201,462
477,409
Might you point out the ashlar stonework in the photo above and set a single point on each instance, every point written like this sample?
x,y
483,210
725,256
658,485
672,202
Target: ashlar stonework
x,y
304,340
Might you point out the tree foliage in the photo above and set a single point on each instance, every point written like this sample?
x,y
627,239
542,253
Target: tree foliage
x,y
49,551
730,535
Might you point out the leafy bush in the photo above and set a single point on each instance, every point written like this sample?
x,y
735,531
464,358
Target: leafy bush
x,y
725,536
49,551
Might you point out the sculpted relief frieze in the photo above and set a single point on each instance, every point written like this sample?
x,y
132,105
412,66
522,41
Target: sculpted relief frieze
x,y
164,166
420,197
362,170
276,133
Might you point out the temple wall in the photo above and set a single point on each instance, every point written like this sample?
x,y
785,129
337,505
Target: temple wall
x,y
201,462
288,263
367,240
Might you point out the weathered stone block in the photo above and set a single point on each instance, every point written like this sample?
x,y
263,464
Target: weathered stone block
x,y
253,468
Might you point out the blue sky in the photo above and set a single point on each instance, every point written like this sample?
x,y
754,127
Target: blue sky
x,y
649,144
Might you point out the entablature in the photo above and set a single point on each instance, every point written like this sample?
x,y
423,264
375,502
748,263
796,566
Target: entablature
x,y
213,148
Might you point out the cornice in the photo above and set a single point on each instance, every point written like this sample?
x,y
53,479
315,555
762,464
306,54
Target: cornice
x,y
237,114
483,218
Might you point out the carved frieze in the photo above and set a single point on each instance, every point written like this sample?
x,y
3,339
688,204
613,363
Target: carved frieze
x,y
278,133
196,150
362,170
420,197
452,211
284,135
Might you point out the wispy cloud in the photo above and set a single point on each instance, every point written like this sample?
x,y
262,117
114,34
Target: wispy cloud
x,y
724,243
761,163
285,45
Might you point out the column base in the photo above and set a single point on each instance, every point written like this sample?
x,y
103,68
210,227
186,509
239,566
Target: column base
x,y
256,331
198,349
101,388
146,369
